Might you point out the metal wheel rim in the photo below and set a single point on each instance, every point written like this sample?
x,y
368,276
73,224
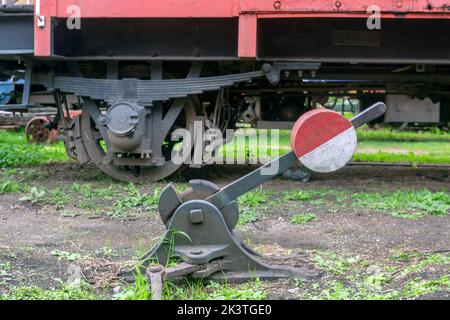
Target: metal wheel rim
x,y
97,154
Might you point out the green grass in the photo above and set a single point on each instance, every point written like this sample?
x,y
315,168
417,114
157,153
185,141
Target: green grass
x,y
254,198
34,195
134,200
66,256
383,145
335,264
15,151
408,204
425,261
352,278
302,196
248,215
194,290
84,292
303,218
117,200
88,191
418,287
401,151
412,204
9,186
409,136
371,289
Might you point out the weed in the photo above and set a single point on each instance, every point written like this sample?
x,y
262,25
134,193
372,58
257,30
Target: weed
x,y
16,151
172,259
89,192
106,250
140,290
418,287
84,292
66,256
248,215
334,264
404,215
135,200
87,205
28,248
248,291
9,186
140,248
376,281
427,261
254,198
57,197
303,218
301,195
406,256
189,290
354,283
337,291
412,203
194,290
69,214
153,199
34,195
5,269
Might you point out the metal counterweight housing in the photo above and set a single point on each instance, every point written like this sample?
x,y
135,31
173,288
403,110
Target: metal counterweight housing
x,y
125,121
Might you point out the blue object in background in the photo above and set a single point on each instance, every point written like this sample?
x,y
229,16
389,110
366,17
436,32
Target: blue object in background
x,y
6,89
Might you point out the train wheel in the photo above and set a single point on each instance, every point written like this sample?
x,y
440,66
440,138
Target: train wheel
x,y
95,146
36,131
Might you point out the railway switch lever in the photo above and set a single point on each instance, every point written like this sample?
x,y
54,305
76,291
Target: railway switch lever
x,y
200,222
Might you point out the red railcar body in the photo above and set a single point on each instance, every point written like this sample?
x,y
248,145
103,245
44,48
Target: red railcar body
x,y
248,13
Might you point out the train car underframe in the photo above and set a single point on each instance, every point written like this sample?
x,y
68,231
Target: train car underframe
x,y
135,91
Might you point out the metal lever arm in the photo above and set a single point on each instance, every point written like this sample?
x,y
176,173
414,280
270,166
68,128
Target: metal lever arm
x,y
368,115
252,180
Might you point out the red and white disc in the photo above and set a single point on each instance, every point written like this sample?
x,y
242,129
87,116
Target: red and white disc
x,y
323,140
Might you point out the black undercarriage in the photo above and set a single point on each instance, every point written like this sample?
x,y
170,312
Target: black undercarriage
x,y
134,92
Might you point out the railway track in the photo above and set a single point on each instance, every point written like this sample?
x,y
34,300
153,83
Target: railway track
x,y
375,164
400,164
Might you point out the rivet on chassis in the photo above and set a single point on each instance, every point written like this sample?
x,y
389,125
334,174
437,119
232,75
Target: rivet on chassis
x,y
338,4
277,5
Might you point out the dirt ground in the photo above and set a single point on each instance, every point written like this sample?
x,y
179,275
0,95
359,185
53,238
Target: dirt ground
x,y
347,244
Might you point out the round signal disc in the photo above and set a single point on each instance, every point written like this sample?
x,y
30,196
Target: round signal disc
x,y
323,140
